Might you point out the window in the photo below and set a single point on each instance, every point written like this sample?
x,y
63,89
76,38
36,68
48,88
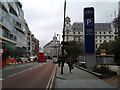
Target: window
x,y
109,36
104,36
99,32
109,32
96,45
78,32
100,40
1,19
100,36
104,32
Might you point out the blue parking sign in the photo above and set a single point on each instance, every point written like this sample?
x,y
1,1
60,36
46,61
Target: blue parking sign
x,y
89,34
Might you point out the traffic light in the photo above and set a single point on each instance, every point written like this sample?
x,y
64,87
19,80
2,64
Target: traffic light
x,y
64,43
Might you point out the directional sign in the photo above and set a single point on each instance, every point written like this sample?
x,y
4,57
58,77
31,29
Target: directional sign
x,y
89,35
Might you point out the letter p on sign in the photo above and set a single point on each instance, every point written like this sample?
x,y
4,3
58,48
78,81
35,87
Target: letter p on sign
x,y
89,22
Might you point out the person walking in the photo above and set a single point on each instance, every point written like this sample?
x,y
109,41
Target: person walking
x,y
59,62
70,65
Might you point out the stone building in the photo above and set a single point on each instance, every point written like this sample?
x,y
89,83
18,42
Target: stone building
x,y
103,32
52,48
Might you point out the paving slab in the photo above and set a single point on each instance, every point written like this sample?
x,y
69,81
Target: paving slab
x,y
79,79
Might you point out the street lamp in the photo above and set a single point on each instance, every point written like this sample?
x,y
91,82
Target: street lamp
x,y
63,39
59,37
58,46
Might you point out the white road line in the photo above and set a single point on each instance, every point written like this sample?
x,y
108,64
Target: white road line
x,y
23,71
17,66
24,65
9,68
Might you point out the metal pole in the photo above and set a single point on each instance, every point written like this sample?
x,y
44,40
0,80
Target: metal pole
x,y
63,59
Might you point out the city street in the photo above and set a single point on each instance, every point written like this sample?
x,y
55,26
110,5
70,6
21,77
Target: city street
x,y
32,75
57,44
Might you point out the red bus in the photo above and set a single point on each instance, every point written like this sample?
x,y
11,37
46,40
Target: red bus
x,y
41,57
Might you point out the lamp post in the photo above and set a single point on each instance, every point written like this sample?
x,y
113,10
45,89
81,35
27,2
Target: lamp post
x,y
63,57
59,37
58,46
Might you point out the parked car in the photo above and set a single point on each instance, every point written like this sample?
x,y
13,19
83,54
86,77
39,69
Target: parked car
x,y
32,59
55,60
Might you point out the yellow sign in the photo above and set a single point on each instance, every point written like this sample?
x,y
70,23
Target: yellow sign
x,y
103,50
88,11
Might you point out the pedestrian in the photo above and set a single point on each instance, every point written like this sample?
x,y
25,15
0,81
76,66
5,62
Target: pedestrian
x,y
70,65
59,62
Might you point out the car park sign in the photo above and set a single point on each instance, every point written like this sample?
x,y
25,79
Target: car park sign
x,y
89,35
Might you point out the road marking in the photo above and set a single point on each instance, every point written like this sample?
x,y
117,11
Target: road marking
x,y
8,68
17,66
51,80
23,71
24,65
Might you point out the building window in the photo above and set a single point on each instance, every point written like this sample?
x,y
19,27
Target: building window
x,y
95,32
74,32
99,32
109,32
100,40
100,36
109,36
104,32
104,36
1,18
78,32
96,45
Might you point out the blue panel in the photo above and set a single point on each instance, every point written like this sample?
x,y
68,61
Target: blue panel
x,y
89,30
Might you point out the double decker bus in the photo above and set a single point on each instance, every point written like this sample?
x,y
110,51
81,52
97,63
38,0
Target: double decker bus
x,y
41,57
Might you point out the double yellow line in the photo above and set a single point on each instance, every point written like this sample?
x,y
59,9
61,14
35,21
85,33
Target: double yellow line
x,y
51,80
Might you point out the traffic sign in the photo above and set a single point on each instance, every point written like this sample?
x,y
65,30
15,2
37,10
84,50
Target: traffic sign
x,y
89,35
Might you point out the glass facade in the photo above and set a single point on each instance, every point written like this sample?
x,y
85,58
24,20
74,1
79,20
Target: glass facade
x,y
12,28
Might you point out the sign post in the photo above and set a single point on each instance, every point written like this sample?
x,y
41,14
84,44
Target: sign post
x,y
89,38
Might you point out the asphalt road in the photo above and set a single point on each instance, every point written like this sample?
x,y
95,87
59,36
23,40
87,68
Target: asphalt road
x,y
31,75
12,70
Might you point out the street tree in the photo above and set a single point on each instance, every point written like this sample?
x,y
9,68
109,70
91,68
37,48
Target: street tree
x,y
108,46
73,50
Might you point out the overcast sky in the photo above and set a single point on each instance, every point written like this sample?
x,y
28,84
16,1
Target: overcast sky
x,y
45,17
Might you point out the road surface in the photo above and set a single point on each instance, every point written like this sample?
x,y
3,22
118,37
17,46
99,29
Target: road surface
x,y
34,75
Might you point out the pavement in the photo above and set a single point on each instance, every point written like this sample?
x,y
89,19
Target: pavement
x,y
80,79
